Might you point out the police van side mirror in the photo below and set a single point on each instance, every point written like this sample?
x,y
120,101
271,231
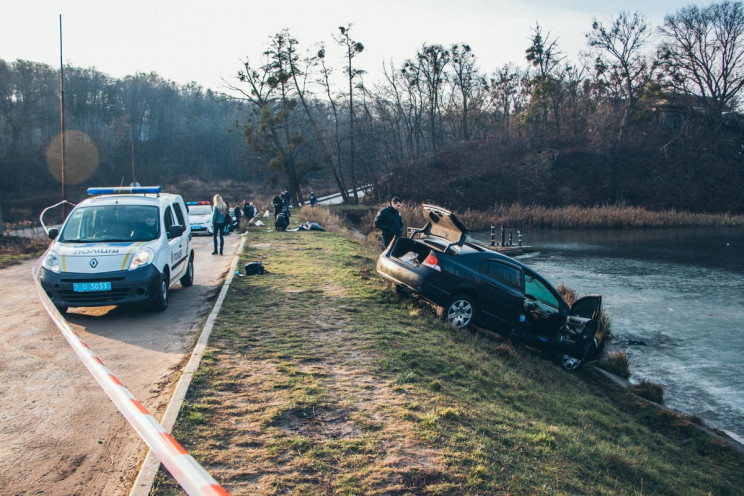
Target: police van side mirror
x,y
175,231
53,233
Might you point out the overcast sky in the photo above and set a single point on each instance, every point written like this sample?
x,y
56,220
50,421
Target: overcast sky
x,y
206,42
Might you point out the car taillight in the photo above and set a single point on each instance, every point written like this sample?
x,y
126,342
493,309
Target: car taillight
x,y
432,262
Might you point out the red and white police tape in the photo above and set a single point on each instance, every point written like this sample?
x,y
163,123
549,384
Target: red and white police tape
x,y
188,473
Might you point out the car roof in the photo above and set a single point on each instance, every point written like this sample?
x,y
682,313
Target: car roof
x,y
139,199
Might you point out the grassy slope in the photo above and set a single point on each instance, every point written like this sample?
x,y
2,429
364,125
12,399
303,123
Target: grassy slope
x,y
319,381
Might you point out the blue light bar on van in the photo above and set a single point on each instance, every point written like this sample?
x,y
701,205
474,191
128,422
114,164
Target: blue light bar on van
x,y
124,190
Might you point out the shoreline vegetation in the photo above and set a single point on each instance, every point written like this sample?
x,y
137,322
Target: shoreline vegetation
x,y
328,383
574,216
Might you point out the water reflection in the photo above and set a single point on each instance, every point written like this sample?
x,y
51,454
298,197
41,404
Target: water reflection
x,y
679,291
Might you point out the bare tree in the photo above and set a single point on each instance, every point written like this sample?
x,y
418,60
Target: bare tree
x,y
429,71
504,87
703,53
352,48
623,67
547,91
466,79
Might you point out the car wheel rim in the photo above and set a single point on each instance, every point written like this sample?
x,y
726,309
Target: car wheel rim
x,y
460,313
164,289
570,363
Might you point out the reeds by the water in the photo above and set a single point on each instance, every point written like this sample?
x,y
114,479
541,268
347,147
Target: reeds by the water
x,y
574,216
536,216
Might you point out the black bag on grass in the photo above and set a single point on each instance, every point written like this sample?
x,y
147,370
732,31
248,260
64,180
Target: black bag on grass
x,y
254,268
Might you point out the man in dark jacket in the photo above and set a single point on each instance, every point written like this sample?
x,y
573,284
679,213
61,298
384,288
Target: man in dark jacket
x,y
389,221
278,204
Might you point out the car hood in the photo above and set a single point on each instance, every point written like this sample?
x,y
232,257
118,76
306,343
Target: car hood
x,y
97,257
443,223
200,218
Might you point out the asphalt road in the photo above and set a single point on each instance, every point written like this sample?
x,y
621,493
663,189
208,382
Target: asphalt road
x,y
59,432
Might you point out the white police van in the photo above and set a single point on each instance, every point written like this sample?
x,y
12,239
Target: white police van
x,y
120,246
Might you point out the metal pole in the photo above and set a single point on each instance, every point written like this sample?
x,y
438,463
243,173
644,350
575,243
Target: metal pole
x,y
62,117
502,236
131,128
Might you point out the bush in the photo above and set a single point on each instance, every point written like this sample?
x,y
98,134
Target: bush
x,y
649,390
616,363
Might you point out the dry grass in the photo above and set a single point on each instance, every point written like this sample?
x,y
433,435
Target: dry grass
x,y
649,390
535,216
14,249
617,363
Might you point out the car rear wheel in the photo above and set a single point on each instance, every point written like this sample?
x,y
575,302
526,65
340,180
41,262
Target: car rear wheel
x,y
161,300
459,311
188,278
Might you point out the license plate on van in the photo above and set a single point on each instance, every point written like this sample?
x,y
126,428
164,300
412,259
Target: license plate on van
x,y
84,287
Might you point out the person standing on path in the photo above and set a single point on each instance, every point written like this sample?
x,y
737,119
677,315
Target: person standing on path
x,y
389,221
219,219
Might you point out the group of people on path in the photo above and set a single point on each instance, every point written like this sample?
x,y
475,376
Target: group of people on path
x,y
388,220
221,219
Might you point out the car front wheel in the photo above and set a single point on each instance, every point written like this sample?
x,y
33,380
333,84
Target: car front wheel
x,y
161,300
573,363
459,311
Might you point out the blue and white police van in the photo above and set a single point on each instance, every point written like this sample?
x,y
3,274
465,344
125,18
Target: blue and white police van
x,y
120,246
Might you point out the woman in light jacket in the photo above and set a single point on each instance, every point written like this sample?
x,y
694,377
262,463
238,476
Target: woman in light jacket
x,y
219,219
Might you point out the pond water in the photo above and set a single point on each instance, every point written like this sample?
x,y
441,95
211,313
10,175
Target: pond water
x,y
677,292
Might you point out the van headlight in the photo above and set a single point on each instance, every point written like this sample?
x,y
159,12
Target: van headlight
x,y
142,258
51,262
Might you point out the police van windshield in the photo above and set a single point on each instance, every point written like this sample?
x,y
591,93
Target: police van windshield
x,y
111,223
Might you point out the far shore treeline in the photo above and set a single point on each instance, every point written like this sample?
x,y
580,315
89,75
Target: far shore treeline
x,y
639,120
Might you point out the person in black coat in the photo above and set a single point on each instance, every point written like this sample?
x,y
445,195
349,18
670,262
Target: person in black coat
x,y
389,221
278,204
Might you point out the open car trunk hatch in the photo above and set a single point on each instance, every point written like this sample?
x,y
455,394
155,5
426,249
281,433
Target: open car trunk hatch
x,y
445,224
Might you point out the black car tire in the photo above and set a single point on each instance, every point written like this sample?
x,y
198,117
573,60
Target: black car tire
x,y
60,309
570,362
161,300
188,278
459,311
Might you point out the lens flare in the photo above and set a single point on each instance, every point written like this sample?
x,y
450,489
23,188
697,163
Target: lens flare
x,y
81,157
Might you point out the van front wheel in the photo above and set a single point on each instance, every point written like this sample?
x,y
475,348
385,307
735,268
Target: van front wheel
x,y
188,278
161,300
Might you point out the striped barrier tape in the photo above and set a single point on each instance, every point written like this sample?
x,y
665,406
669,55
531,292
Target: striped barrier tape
x,y
183,467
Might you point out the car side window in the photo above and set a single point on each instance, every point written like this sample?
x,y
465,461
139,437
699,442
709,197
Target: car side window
x,y
179,214
536,288
168,218
504,273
